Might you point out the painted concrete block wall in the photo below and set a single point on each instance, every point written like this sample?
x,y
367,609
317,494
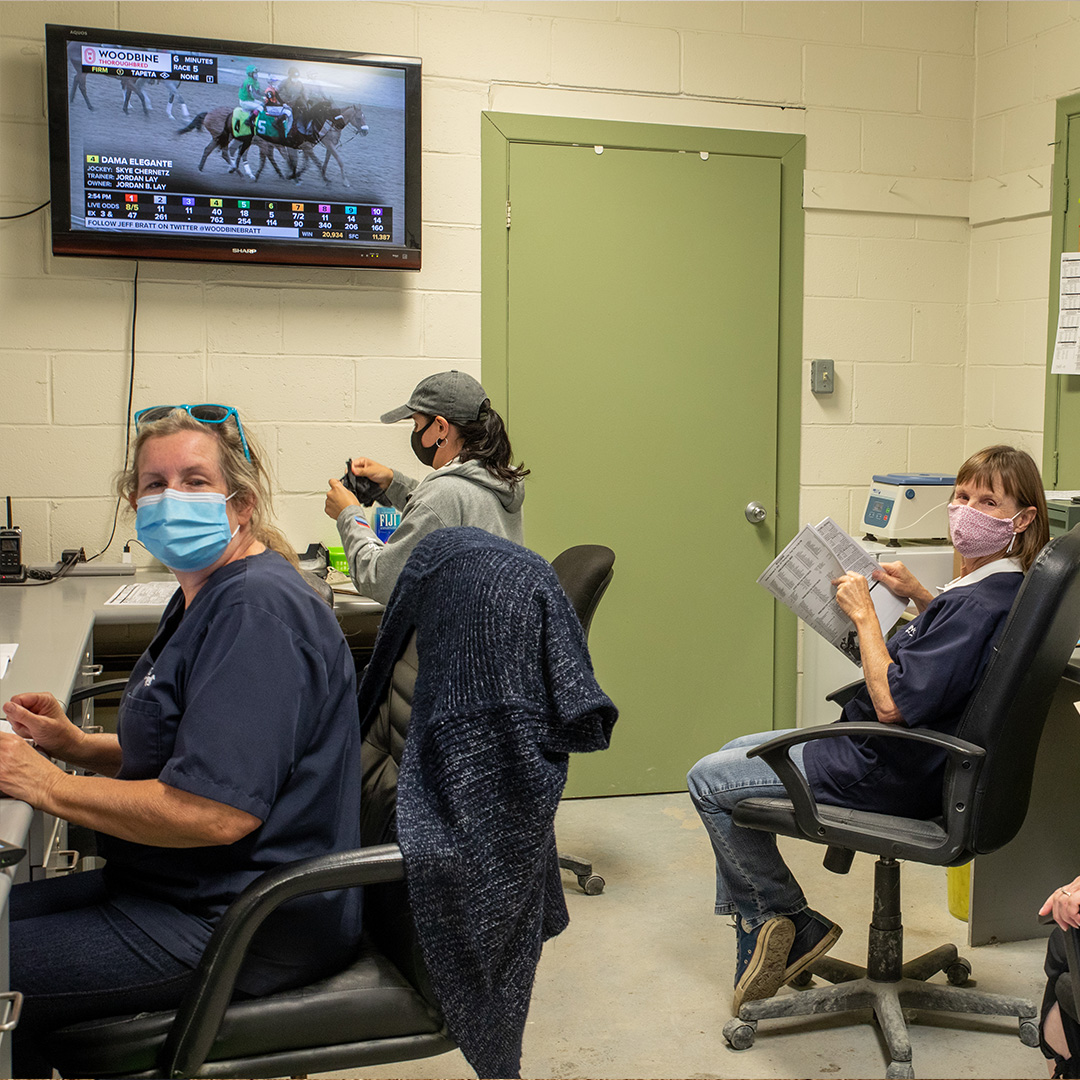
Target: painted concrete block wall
x,y
885,92
1026,60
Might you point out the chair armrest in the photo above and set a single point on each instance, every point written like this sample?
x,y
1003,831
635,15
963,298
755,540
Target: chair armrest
x,y
110,686
965,756
843,694
200,1014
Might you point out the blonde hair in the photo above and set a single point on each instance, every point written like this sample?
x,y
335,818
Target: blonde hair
x,y
249,479
1020,480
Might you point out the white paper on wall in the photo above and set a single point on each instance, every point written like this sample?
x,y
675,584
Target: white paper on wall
x,y
1067,341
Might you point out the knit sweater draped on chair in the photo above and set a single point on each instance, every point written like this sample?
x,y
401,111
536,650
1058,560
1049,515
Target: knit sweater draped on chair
x,y
504,692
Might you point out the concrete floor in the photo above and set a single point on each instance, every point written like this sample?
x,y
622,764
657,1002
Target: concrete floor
x,y
639,985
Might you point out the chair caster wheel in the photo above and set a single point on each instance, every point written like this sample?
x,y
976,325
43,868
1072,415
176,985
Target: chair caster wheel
x,y
900,1070
802,980
740,1034
1029,1032
591,884
958,972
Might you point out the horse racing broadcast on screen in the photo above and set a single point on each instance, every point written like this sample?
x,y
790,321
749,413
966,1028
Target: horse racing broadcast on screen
x,y
168,147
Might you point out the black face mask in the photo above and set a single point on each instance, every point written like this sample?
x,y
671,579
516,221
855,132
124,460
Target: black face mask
x,y
425,454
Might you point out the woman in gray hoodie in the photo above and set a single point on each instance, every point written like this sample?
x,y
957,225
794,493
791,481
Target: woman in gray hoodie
x,y
458,434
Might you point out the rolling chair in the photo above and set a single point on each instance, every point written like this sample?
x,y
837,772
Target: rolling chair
x,y
991,761
585,572
379,1009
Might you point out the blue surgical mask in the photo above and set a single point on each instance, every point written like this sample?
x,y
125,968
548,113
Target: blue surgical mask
x,y
186,530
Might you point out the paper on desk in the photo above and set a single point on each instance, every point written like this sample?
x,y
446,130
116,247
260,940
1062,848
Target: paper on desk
x,y
6,654
152,593
1067,340
341,583
801,577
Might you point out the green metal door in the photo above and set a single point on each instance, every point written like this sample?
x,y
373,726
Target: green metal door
x,y
642,345
1061,431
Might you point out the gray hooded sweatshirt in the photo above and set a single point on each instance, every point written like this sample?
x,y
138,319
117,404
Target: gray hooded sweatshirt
x,y
462,493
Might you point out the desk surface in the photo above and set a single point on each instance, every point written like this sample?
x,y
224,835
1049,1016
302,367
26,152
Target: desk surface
x,y
52,623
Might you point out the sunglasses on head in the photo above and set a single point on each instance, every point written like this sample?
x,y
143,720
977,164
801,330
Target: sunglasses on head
x,y
205,414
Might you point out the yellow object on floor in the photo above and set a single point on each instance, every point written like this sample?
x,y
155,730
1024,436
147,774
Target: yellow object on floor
x,y
959,890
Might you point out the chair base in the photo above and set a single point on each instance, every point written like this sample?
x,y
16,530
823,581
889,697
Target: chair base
x,y
888,1000
591,884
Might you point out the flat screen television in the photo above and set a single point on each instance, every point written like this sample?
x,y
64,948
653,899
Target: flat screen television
x,y
172,147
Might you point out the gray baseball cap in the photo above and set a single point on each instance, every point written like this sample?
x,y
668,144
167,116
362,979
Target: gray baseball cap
x,y
451,394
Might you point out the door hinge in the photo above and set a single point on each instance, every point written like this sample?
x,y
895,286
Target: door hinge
x,y
508,213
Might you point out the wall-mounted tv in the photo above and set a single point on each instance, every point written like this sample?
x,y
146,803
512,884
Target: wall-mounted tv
x,y
189,148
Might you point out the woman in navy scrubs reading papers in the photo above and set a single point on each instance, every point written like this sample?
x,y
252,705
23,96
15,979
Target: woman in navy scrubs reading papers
x,y
922,677
237,749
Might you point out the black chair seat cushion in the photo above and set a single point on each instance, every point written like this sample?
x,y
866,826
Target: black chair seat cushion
x,y
896,834
367,1001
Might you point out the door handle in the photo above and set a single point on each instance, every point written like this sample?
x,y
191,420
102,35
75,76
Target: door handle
x,y
755,513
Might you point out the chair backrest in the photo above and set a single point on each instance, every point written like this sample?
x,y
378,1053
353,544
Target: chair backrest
x,y
388,920
1008,710
320,585
584,572
381,753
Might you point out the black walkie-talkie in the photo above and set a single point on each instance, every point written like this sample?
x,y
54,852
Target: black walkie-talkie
x,y
11,564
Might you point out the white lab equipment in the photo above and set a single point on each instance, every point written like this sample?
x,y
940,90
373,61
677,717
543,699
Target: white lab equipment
x,y
908,506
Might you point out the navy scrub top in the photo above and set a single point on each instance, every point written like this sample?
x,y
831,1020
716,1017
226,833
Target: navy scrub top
x,y
939,658
247,697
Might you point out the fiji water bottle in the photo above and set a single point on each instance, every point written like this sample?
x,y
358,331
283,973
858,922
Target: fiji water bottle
x,y
387,519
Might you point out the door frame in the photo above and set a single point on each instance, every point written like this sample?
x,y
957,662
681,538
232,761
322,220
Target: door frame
x,y
1055,471
499,130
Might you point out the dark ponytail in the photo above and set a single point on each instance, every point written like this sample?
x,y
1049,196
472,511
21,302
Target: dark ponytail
x,y
485,440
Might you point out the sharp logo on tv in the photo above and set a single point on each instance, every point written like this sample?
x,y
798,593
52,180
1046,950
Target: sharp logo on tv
x,y
177,148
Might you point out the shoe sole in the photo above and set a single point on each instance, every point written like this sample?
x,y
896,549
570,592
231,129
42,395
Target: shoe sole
x,y
764,975
819,950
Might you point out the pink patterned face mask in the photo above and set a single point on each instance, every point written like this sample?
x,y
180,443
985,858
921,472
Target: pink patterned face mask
x,y
975,534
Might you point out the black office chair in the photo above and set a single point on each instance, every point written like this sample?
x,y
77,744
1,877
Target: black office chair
x,y
988,783
320,585
379,1009
585,572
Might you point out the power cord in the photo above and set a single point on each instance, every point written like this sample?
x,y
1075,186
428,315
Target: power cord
x,y
47,577
127,426
25,213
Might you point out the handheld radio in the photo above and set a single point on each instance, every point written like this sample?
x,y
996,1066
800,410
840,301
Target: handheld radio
x,y
11,565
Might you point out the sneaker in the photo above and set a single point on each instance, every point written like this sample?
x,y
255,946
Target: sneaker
x,y
760,958
814,936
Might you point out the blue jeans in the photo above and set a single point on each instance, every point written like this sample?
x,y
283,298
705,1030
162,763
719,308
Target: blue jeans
x,y
752,880
75,957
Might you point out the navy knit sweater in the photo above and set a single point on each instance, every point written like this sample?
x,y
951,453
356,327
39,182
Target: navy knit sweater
x,y
504,692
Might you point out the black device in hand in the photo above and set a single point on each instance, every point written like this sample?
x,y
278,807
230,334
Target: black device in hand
x,y
367,491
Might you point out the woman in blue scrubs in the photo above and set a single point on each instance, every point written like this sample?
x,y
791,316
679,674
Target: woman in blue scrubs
x,y
921,677
237,749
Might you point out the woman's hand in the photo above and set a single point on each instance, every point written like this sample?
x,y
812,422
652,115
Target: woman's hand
x,y
337,498
42,718
902,583
1064,905
362,466
853,596
24,773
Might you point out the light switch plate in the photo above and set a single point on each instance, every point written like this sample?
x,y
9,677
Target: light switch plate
x,y
821,376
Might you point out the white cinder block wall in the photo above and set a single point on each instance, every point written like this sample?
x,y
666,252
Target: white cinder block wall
x,y
927,247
